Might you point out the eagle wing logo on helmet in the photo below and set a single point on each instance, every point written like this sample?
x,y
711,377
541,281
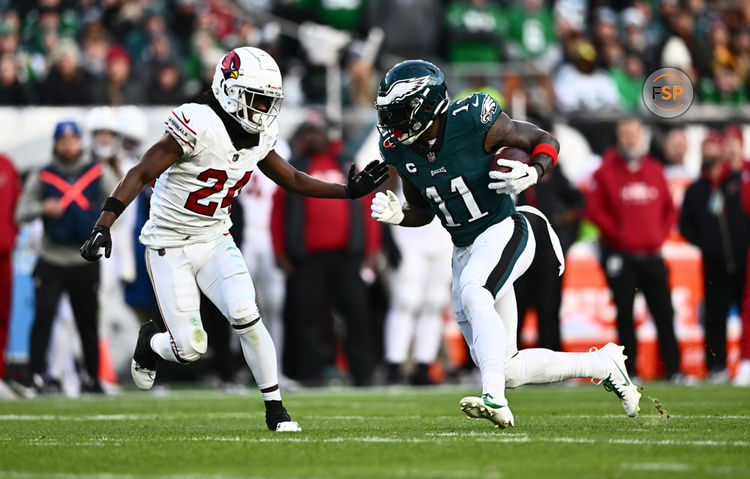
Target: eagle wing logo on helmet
x,y
230,65
402,89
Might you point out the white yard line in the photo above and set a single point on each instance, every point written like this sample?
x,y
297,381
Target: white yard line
x,y
60,475
655,466
151,416
431,438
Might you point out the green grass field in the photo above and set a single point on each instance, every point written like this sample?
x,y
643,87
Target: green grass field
x,y
561,432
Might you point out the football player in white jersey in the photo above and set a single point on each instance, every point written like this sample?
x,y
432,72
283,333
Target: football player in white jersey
x,y
200,165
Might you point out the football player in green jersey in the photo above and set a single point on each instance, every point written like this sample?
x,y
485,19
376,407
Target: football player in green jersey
x,y
442,151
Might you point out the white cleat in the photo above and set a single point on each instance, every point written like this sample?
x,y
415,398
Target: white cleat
x,y
142,377
143,365
618,381
483,408
288,426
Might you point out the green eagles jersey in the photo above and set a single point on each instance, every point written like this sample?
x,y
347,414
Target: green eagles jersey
x,y
454,173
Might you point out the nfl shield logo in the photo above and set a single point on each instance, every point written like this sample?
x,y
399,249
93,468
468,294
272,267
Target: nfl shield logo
x,y
235,157
430,156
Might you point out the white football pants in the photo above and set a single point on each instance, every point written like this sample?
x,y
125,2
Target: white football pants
x,y
485,304
218,269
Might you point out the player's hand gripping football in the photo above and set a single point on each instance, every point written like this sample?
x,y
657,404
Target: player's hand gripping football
x,y
99,238
386,208
359,184
512,182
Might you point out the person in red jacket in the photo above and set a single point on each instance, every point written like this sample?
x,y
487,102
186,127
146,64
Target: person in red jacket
x,y
630,203
321,245
742,378
10,190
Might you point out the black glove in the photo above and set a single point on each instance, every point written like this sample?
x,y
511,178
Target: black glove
x,y
359,184
99,237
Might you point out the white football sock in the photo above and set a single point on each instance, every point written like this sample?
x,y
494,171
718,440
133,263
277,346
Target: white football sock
x,y
540,366
260,354
274,395
161,343
490,339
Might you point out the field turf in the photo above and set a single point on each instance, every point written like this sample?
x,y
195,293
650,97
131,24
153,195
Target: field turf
x,y
561,432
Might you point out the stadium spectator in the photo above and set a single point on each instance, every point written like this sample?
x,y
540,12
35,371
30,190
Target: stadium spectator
x,y
531,35
605,30
677,49
741,49
67,194
66,83
12,91
732,143
724,87
118,88
580,86
476,31
628,78
630,203
95,46
712,219
10,189
340,15
166,86
321,245
636,36
678,178
418,34
541,286
8,38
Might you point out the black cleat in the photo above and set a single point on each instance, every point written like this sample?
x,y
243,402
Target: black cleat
x,y
143,366
277,419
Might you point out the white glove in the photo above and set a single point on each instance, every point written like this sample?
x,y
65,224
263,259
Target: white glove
x,y
387,208
520,177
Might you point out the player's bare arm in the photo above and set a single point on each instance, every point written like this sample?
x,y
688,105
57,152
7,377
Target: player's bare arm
x,y
295,181
153,163
417,211
526,136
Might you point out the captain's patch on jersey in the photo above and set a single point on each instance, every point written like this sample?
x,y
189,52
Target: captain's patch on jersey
x,y
489,107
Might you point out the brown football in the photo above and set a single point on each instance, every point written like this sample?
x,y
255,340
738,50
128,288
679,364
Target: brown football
x,y
508,153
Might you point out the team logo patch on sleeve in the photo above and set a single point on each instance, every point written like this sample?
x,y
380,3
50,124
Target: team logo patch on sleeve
x,y
489,107
230,65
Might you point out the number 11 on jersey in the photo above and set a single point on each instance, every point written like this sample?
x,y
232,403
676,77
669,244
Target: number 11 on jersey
x,y
458,185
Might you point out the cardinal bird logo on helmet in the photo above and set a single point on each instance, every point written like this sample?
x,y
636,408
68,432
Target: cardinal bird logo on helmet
x,y
230,65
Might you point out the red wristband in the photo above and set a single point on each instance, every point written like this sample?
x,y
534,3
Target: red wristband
x,y
547,149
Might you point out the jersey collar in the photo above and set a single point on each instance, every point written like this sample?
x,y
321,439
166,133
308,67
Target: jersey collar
x,y
430,152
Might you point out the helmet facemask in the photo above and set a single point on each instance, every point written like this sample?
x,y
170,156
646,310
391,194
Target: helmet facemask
x,y
255,109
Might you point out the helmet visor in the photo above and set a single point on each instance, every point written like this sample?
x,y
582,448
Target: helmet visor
x,y
394,119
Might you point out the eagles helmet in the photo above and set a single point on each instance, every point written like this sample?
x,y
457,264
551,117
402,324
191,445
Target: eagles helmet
x,y
246,78
410,97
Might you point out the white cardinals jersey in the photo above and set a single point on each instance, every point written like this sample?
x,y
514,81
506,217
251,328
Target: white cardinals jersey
x,y
191,199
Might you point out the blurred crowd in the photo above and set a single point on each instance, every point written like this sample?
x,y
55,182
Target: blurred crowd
x,y
345,298
565,55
